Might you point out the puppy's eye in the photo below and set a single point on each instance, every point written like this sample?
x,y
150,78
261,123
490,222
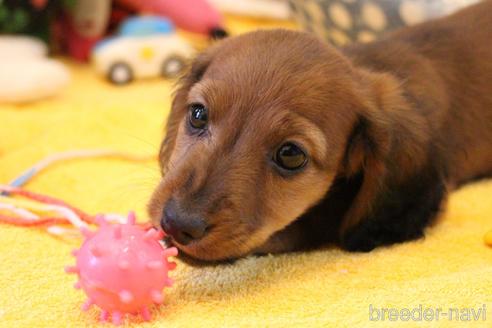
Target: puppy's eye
x,y
198,116
290,157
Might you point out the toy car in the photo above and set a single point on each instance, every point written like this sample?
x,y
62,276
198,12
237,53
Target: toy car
x,y
144,47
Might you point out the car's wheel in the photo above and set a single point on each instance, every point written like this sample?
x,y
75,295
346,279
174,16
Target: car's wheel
x,y
173,66
120,73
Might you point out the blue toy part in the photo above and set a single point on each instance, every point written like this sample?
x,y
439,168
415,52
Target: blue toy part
x,y
24,177
139,26
101,44
146,25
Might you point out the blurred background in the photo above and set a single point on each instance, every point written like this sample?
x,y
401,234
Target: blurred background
x,y
126,40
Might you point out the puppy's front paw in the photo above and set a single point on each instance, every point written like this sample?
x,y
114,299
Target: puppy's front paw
x,y
358,240
370,234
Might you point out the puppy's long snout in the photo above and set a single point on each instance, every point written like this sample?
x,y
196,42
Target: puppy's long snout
x,y
181,227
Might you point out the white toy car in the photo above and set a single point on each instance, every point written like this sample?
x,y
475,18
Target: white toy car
x,y
144,47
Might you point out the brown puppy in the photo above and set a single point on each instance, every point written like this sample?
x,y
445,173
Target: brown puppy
x,y
279,142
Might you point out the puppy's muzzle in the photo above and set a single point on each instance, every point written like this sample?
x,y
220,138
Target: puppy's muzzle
x,y
182,227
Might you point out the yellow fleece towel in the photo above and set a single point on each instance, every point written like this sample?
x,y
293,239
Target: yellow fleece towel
x,y
450,268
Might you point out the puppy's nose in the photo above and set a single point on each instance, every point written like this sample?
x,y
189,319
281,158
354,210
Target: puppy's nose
x,y
183,228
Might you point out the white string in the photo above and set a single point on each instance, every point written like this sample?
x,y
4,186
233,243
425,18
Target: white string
x,y
28,215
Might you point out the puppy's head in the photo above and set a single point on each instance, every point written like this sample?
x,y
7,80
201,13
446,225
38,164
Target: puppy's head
x,y
257,132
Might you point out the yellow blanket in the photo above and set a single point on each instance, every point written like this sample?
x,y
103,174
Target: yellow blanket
x,y
450,268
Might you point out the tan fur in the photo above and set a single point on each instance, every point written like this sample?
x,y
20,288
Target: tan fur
x,y
422,88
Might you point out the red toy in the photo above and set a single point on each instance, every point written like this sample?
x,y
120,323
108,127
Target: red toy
x,y
90,20
123,269
196,16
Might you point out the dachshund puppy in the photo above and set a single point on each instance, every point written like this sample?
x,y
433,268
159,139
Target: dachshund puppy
x,y
279,142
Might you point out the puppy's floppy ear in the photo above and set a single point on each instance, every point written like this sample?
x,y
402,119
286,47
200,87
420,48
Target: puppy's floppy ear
x,y
390,148
179,105
385,120
368,145
370,137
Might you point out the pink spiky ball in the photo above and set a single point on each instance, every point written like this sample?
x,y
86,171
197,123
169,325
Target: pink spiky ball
x,y
122,269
